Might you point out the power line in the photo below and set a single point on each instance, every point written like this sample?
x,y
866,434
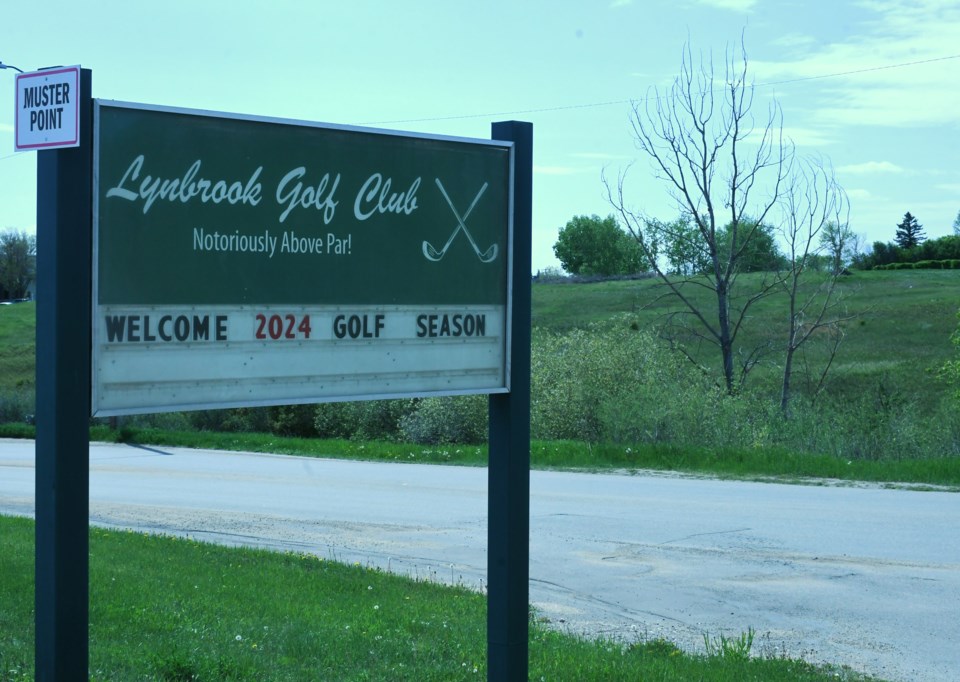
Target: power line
x,y
10,156
589,105
856,71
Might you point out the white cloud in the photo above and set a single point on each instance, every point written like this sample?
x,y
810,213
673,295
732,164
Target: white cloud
x,y
794,40
900,67
620,3
598,156
557,170
734,5
871,167
6,128
859,194
806,138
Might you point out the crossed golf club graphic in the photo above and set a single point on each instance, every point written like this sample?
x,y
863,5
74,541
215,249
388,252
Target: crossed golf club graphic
x,y
485,256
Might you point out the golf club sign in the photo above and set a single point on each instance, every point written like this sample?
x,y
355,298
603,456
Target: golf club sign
x,y
242,261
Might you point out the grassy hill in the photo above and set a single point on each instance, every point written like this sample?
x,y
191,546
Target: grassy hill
x,y
17,360
899,337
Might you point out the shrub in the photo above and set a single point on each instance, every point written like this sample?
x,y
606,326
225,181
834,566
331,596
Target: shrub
x,y
362,420
237,420
16,405
293,420
589,384
438,421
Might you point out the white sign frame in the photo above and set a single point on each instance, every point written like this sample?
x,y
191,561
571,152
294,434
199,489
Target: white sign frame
x,y
137,368
58,90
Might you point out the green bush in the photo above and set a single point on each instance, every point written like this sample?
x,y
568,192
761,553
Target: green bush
x,y
293,420
237,420
593,384
440,421
362,420
16,405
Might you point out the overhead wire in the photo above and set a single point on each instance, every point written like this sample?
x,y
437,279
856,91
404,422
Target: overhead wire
x,y
588,105
606,103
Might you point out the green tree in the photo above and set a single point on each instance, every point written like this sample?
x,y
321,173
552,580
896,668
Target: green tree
x,y
18,262
590,245
909,232
956,224
681,244
760,253
837,240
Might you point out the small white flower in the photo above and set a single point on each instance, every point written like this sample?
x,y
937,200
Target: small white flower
x,y
239,638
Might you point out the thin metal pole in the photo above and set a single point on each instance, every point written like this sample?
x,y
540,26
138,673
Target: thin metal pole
x,y
508,543
64,219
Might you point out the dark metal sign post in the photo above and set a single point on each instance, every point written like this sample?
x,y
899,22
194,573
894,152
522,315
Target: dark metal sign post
x,y
64,215
508,542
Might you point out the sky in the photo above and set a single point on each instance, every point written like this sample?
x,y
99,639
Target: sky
x,y
872,87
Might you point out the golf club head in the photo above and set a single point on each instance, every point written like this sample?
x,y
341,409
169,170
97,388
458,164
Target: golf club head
x,y
490,254
431,253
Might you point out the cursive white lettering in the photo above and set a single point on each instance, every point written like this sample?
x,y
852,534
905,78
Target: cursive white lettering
x,y
375,197
319,197
185,188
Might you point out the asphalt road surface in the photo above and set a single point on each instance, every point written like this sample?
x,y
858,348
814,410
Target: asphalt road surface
x,y
858,575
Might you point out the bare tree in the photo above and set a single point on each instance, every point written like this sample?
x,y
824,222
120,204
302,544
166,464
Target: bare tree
x,y
725,173
815,216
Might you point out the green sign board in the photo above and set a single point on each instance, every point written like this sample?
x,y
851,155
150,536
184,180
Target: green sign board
x,y
242,261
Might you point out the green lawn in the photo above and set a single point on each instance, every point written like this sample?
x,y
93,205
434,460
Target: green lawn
x,y
180,610
17,346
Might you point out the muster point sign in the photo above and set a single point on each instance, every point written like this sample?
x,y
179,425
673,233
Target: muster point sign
x,y
242,261
48,109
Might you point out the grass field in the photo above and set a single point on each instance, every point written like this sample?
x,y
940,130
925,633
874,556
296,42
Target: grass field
x,y
17,347
180,610
899,338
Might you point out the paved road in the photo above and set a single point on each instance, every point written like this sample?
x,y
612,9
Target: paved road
x,y
861,576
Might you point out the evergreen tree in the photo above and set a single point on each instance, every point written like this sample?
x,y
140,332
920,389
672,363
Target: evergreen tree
x,y
909,232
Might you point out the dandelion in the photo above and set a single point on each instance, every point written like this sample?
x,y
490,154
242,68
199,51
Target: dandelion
x,y
376,607
239,638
